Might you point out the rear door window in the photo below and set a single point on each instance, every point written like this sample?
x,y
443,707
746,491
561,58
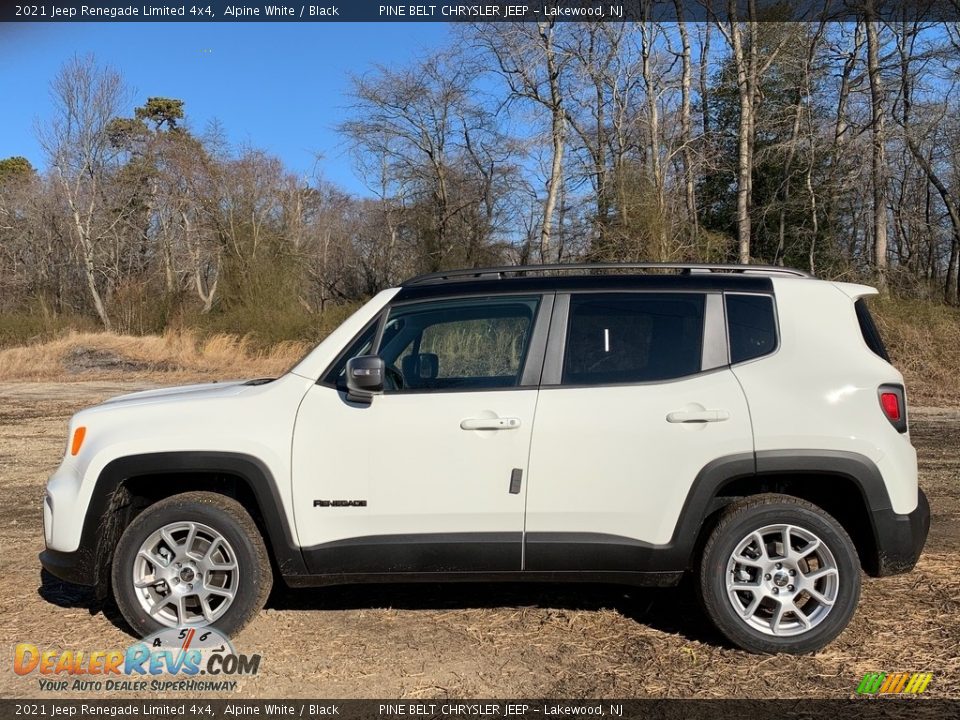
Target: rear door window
x,y
633,337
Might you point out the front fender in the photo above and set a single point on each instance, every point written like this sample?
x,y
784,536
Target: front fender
x,y
109,510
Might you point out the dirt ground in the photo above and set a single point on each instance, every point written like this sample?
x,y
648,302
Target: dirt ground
x,y
487,641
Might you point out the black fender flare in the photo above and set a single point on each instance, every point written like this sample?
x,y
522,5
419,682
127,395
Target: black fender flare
x,y
100,528
704,497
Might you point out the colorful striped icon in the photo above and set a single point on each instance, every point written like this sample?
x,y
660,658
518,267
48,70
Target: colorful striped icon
x,y
894,683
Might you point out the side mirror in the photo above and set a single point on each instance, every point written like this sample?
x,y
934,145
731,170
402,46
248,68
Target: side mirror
x,y
365,375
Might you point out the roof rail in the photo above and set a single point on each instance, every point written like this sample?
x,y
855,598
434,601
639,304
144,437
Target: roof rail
x,y
498,273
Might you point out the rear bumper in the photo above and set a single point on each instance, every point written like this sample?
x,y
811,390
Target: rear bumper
x,y
900,538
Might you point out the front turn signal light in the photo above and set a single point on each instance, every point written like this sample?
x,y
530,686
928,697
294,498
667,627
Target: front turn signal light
x,y
78,435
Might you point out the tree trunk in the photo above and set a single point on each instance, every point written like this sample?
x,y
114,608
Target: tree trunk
x,y
167,254
89,274
705,79
953,212
744,136
813,220
878,156
558,132
205,294
89,268
686,128
653,128
803,92
951,292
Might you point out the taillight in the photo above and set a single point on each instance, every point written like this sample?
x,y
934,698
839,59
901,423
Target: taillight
x,y
893,404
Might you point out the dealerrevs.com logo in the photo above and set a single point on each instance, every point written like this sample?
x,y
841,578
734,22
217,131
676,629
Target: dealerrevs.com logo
x,y
172,659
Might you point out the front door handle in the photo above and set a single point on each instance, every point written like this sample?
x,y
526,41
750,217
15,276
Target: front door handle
x,y
494,423
698,416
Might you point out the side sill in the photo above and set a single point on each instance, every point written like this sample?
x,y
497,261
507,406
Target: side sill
x,y
636,579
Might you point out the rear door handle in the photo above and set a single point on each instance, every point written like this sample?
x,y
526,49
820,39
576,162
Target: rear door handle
x,y
698,416
494,423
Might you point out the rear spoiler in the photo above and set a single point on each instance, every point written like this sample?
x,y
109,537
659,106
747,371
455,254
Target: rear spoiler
x,y
855,291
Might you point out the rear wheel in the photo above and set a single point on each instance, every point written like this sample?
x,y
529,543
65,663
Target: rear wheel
x,y
191,559
778,574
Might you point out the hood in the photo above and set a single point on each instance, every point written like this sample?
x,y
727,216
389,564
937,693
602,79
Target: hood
x,y
193,392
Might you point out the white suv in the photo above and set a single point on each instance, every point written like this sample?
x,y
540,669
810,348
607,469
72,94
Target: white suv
x,y
606,423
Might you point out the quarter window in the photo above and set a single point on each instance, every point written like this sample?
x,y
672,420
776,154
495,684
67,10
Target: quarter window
x,y
633,337
868,328
458,345
752,326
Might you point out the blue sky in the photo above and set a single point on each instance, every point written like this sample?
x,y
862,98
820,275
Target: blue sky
x,y
281,87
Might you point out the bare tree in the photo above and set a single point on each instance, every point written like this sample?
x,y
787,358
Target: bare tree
x,y
597,56
422,136
686,124
742,38
926,140
800,109
878,163
533,67
652,89
86,98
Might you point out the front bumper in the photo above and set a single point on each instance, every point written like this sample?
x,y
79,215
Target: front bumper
x,y
900,538
78,567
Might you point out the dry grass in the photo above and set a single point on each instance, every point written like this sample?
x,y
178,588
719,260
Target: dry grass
x,y
923,339
924,343
86,356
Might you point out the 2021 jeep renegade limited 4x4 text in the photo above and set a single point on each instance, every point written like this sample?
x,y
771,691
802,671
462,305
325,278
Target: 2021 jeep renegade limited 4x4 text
x,y
590,422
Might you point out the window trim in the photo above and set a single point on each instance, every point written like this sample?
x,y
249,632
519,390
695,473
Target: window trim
x,y
543,366
776,328
559,327
715,352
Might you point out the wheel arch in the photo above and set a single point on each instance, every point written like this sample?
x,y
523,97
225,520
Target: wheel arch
x,y
131,483
846,485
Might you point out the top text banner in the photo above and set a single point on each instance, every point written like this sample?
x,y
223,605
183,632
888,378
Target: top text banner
x,y
491,11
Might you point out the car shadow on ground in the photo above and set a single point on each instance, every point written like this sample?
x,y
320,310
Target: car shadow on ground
x,y
68,595
671,610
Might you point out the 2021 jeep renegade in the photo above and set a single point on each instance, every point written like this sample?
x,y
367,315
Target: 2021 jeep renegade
x,y
581,422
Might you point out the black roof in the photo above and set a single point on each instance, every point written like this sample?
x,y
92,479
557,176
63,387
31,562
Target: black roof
x,y
526,279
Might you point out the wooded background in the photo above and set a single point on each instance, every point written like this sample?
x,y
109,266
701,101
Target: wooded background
x,y
829,146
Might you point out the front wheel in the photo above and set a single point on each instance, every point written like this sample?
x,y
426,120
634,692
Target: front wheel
x,y
191,559
778,574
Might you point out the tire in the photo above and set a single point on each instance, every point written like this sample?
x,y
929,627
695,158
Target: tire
x,y
816,587
219,575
